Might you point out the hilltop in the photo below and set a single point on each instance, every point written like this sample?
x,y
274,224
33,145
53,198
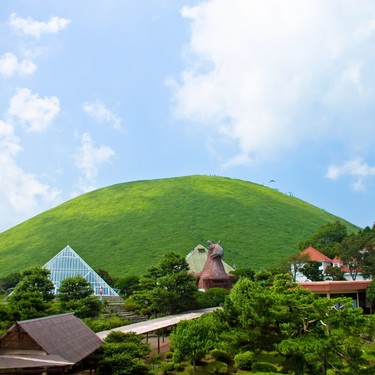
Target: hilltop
x,y
127,227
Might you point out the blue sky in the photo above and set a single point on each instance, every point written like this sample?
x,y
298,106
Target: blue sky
x,y
95,93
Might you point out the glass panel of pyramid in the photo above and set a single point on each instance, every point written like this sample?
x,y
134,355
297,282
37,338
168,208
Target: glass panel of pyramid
x,y
67,263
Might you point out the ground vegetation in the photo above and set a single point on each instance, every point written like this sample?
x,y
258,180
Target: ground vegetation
x,y
128,227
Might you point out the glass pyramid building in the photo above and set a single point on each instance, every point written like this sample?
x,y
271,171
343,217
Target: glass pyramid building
x,y
67,263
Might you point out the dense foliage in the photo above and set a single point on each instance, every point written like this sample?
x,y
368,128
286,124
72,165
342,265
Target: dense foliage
x,y
193,339
33,295
358,252
122,353
327,238
313,334
167,288
76,295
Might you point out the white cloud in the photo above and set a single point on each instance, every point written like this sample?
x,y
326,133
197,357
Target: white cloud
x,y
89,159
258,70
356,168
34,28
21,194
9,143
101,113
34,112
9,65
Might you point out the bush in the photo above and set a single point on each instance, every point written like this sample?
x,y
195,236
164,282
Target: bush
x,y
222,356
168,356
130,304
217,367
211,298
166,367
244,361
98,325
263,367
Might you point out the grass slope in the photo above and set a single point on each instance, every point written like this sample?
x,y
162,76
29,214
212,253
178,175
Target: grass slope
x,y
127,227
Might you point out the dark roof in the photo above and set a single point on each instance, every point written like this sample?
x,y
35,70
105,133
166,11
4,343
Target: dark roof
x,y
62,335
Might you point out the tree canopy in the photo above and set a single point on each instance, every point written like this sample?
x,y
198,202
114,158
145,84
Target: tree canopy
x,y
193,339
32,297
167,288
122,354
76,294
315,333
327,238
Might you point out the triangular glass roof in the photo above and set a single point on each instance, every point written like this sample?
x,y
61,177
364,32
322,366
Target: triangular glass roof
x,y
67,263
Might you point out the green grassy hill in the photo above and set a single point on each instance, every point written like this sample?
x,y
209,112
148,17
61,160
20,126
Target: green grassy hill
x,y
127,227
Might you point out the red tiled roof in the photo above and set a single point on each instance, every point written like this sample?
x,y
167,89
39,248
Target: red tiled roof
x,y
343,267
315,255
336,286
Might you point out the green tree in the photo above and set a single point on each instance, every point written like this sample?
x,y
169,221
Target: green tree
x,y
127,285
334,337
333,273
193,339
243,272
311,270
76,294
327,238
314,334
357,253
32,297
6,318
106,277
255,311
297,261
74,288
370,294
167,288
124,353
9,282
211,298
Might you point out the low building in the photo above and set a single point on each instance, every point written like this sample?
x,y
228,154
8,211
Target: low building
x,y
315,255
54,344
354,289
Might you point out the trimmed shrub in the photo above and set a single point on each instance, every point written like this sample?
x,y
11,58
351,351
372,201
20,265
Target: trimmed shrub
x,y
222,356
217,367
244,361
166,367
130,304
211,298
103,324
263,367
168,356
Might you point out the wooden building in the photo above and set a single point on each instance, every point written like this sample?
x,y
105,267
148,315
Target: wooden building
x,y
50,344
